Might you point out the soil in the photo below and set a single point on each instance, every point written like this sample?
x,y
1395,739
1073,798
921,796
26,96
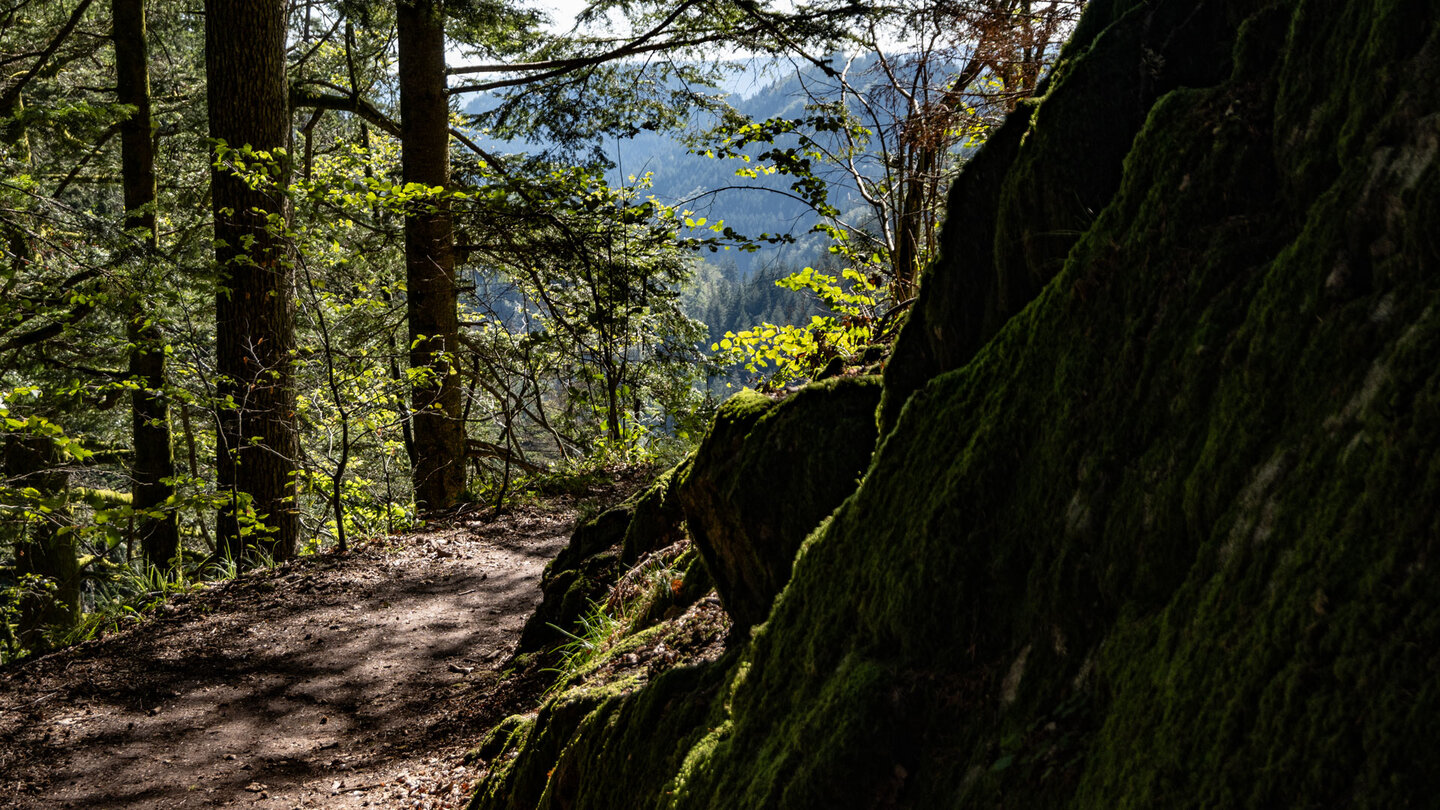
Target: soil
x,y
336,681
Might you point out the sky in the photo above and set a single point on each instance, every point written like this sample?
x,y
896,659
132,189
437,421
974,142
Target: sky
x,y
562,18
562,12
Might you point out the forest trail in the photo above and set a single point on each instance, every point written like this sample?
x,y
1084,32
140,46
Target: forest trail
x,y
335,681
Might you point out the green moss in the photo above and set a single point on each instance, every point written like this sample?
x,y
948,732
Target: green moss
x,y
664,599
1153,513
950,320
641,739
599,551
657,515
612,746
569,593
1044,175
766,475
600,533
519,776
506,738
587,679
1165,539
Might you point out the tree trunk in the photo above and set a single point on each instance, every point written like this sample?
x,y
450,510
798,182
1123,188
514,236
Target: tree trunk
x,y
431,296
150,412
17,141
612,405
254,303
913,220
43,550
14,133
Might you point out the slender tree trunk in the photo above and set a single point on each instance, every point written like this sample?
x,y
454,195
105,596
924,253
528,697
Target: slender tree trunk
x,y
392,361
254,303
150,412
337,482
14,136
915,219
612,405
431,296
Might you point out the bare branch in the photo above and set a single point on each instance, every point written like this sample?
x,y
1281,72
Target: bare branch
x,y
572,65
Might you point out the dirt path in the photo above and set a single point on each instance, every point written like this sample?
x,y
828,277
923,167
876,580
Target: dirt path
x,y
335,682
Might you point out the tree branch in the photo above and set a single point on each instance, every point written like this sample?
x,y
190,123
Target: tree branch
x,y
478,447
495,162
48,331
307,97
81,163
7,101
570,64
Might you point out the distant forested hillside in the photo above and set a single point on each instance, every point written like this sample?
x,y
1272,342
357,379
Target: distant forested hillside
x,y
681,174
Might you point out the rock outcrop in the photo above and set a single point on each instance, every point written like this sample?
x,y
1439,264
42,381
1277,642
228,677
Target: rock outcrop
x,y
764,477
767,474
1152,517
600,550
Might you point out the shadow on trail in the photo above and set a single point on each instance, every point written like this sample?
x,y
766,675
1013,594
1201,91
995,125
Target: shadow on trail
x,y
257,692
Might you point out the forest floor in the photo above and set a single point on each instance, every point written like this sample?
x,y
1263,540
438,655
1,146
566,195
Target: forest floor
x,y
335,681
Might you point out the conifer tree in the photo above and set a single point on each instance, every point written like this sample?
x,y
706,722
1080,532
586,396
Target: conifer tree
x,y
249,111
150,413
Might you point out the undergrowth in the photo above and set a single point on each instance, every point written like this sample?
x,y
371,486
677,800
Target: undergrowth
x,y
596,632
118,595
626,610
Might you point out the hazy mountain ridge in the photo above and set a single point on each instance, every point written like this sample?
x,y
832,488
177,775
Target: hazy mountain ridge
x,y
681,174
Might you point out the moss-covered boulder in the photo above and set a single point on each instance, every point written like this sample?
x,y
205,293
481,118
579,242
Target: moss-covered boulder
x,y
568,594
599,551
656,516
641,735
1164,538
766,475
601,533
748,499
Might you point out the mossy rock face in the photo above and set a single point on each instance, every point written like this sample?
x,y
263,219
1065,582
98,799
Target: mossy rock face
x,y
1166,539
523,758
766,475
599,551
600,533
507,737
1040,179
641,735
695,582
656,517
568,594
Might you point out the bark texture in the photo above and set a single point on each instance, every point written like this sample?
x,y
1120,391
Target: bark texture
x,y
432,300
254,302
